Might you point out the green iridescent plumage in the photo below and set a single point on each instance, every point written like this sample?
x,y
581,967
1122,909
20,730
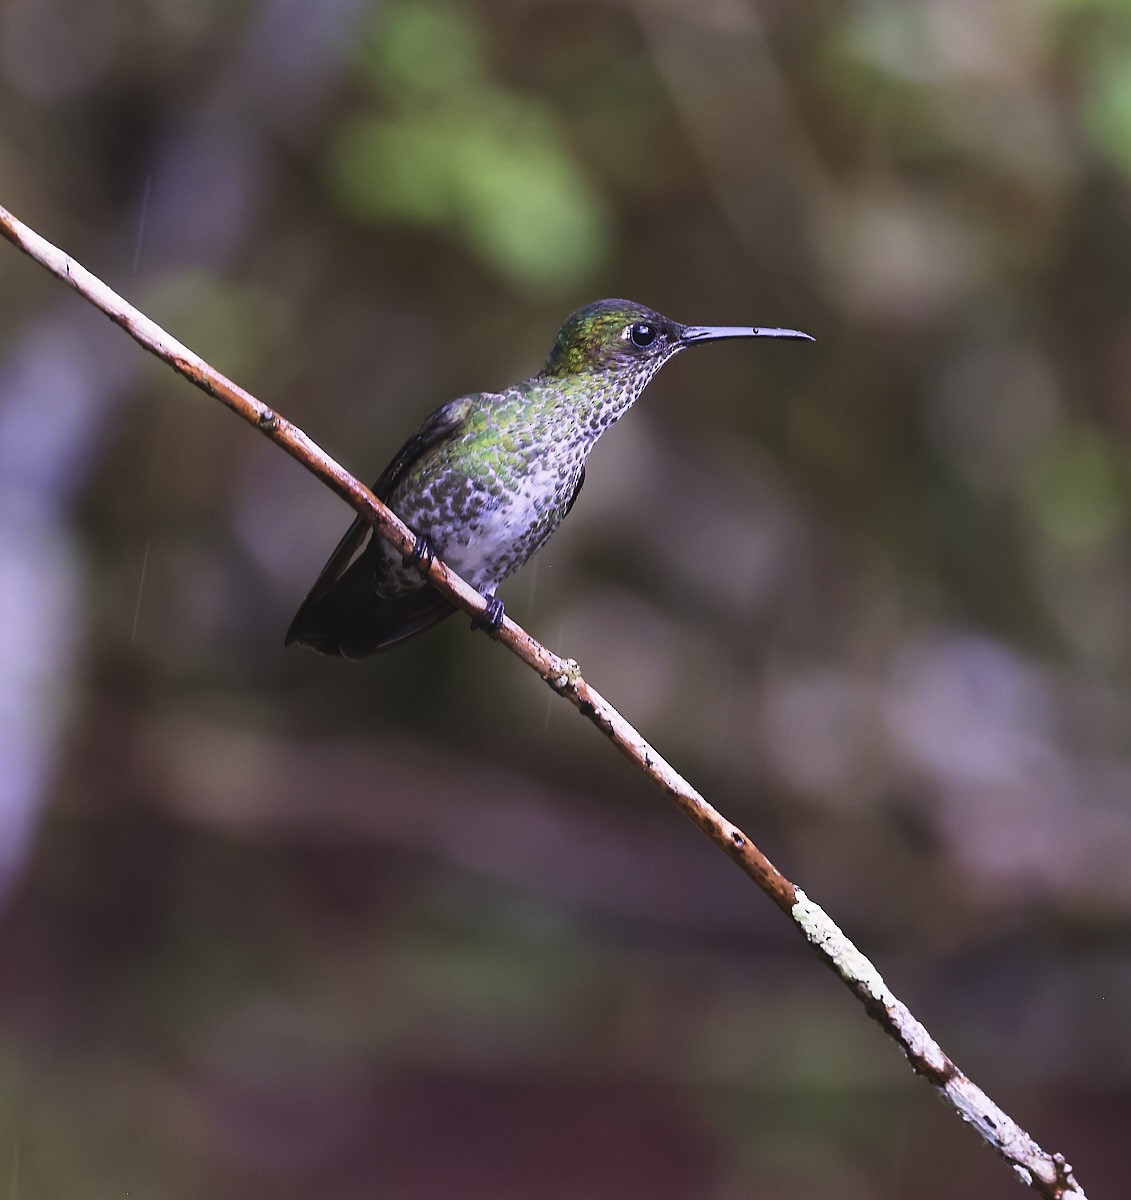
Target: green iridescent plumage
x,y
488,478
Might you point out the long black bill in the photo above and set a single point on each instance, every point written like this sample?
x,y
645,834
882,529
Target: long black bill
x,y
716,333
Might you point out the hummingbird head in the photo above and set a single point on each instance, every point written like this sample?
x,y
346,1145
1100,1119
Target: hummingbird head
x,y
613,335
622,336
624,344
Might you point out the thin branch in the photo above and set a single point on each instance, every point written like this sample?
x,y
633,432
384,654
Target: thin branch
x,y
1048,1174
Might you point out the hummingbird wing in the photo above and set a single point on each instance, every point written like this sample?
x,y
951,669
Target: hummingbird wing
x,y
343,614
576,493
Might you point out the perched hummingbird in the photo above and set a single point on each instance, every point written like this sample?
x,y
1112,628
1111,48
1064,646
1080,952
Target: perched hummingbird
x,y
487,479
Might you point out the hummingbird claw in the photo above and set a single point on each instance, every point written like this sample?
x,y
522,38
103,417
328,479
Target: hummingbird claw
x,y
421,556
491,618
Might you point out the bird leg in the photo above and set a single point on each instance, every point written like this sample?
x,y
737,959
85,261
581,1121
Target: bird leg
x,y
421,555
491,618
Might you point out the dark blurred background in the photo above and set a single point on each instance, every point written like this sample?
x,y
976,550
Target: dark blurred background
x,y
280,926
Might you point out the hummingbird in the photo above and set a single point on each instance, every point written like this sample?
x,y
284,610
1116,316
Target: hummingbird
x,y
487,479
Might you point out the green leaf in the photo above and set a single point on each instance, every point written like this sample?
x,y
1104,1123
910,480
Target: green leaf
x,y
399,170
1109,111
493,170
426,49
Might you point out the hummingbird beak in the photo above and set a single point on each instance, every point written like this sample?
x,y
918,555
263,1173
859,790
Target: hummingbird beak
x,y
693,334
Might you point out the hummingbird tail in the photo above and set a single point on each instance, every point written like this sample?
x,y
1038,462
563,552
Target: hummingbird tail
x,y
350,620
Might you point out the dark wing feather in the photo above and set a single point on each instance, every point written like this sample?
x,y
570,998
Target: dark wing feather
x,y
576,493
342,614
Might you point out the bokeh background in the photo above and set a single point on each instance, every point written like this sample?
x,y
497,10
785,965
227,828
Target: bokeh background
x,y
280,926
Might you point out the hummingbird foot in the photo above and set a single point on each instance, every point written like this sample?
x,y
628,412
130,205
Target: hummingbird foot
x,y
491,617
421,556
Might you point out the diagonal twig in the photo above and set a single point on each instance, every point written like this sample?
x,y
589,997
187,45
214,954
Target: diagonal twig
x,y
1048,1174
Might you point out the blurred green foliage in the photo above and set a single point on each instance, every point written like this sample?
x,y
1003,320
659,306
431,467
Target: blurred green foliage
x,y
1078,490
465,153
1109,107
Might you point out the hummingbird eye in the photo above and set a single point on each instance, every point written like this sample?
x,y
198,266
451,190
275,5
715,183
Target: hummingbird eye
x,y
642,335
